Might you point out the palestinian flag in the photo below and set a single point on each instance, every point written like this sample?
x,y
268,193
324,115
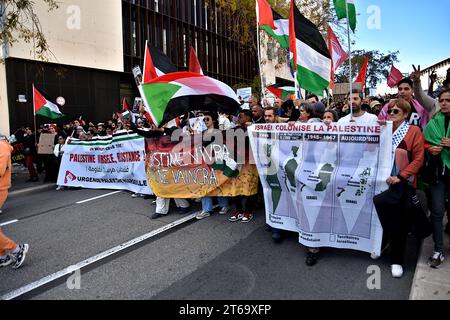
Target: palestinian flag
x,y
309,53
274,24
282,91
156,63
344,6
44,107
175,94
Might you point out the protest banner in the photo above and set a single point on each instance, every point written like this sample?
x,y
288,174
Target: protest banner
x,y
195,170
115,162
320,180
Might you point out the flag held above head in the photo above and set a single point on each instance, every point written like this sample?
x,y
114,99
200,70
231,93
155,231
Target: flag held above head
x,y
273,23
309,53
175,94
337,53
282,91
362,74
264,14
394,77
156,63
43,106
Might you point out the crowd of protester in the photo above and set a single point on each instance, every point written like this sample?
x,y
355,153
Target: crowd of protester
x,y
421,140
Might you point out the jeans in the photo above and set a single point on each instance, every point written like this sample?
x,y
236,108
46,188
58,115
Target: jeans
x,y
438,193
207,203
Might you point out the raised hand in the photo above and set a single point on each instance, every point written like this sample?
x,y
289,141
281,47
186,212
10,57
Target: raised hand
x,y
415,75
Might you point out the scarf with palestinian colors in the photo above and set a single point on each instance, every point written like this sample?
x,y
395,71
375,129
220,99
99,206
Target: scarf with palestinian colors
x,y
398,137
434,132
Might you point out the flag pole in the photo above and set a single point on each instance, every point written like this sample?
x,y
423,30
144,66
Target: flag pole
x,y
259,56
34,119
349,60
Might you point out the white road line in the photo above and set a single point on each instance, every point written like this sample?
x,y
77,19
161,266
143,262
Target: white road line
x,y
95,198
8,222
17,293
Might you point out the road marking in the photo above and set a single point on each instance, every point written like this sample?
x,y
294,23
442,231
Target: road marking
x,y
32,286
95,198
8,222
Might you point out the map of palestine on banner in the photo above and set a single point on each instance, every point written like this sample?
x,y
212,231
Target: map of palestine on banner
x,y
320,180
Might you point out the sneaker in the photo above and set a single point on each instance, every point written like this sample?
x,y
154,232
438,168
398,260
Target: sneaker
x,y
19,257
396,271
58,188
235,216
311,258
246,217
6,261
436,259
135,195
224,210
202,215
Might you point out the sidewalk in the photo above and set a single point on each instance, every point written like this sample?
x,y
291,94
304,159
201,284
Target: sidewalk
x,y
19,174
429,283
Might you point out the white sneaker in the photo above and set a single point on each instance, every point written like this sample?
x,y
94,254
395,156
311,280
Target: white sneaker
x,y
224,210
202,215
397,271
58,188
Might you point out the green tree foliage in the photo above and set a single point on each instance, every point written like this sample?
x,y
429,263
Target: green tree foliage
x,y
377,70
19,22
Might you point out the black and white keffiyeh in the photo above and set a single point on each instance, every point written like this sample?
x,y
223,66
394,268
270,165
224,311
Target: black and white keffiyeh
x,y
398,136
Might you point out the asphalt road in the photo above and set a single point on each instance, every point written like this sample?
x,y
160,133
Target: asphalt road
x,y
207,259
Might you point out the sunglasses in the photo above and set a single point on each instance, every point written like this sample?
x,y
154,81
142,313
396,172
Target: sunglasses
x,y
394,111
302,110
206,119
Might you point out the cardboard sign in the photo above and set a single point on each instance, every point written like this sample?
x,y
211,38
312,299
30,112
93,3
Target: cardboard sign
x,y
46,143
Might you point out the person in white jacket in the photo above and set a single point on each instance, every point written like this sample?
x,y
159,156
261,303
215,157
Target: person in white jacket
x,y
58,151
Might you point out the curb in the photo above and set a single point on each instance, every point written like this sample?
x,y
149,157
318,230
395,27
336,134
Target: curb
x,y
31,189
429,283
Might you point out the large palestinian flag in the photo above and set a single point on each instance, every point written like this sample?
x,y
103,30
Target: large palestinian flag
x,y
282,91
156,63
175,94
309,53
44,107
274,24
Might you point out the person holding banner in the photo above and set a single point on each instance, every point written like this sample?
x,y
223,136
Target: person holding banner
x,y
211,120
358,115
394,205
